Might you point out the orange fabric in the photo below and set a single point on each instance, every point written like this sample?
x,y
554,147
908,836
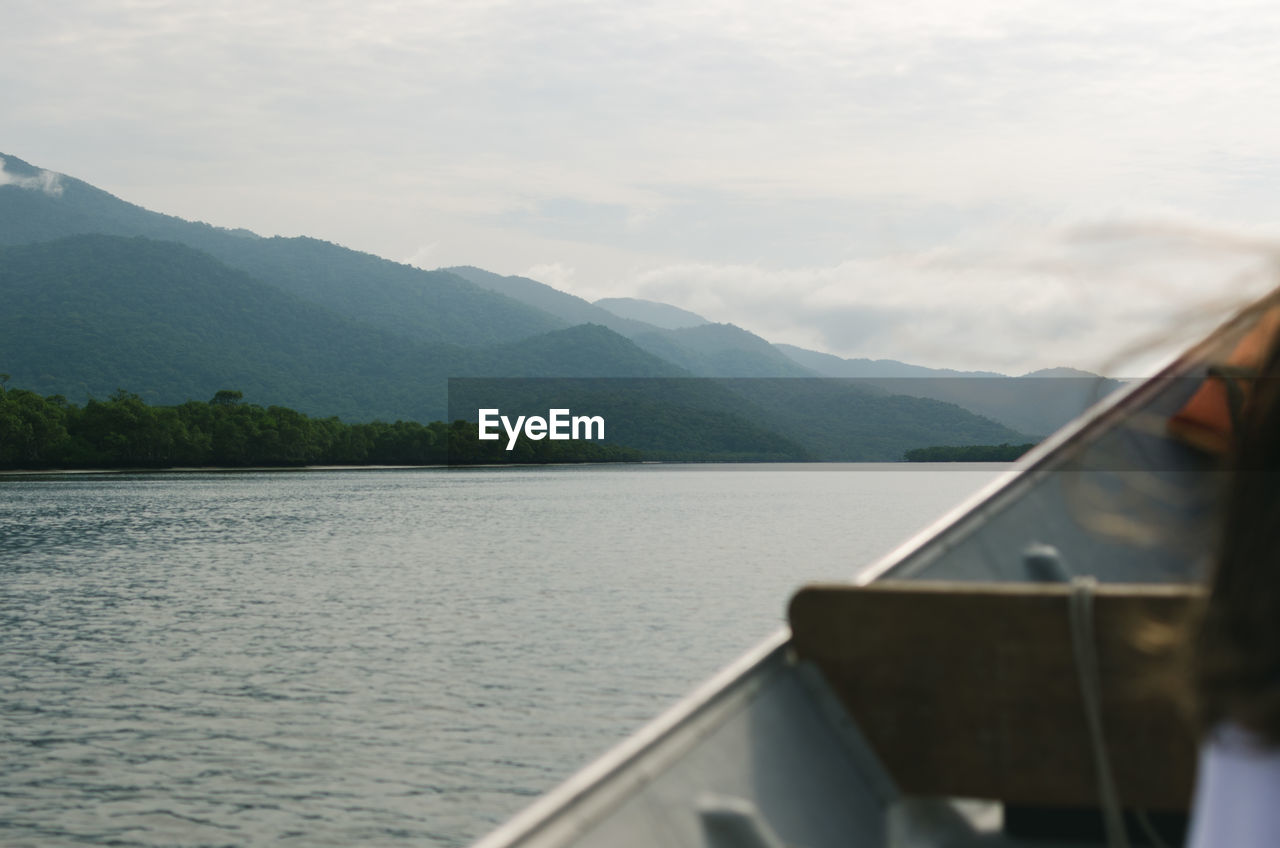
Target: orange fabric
x,y
1204,421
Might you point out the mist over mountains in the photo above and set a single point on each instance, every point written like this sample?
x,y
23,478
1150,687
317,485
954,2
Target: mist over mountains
x,y
102,294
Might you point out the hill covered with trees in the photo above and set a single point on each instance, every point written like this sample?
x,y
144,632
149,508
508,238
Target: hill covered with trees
x,y
85,315
99,294
968,453
426,307
125,432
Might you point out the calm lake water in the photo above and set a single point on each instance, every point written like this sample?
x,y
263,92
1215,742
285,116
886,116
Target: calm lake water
x,y
385,657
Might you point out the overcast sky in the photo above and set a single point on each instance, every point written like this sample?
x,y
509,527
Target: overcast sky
x,y
887,179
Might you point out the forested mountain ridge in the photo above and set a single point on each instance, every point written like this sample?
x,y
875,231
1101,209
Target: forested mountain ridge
x,y
424,306
696,345
102,294
85,315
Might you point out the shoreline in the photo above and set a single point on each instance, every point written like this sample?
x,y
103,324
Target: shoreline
x,y
206,469
835,465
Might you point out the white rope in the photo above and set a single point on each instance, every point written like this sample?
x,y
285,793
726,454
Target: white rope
x,y
1083,642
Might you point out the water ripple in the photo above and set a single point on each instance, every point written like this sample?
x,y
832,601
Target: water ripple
x,y
379,658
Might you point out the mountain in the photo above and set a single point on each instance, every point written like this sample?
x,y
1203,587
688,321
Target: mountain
x,y
423,306
720,350
101,294
850,421
171,323
662,315
776,418
1037,403
567,307
667,419
696,345
828,365
587,350
86,315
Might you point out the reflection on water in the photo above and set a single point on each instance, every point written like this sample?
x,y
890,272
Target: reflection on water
x,y
382,657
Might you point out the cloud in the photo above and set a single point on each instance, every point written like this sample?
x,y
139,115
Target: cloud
x,y
423,257
818,171
45,181
555,274
1112,296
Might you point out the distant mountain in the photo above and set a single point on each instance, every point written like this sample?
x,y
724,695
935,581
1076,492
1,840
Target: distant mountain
x,y
848,420
700,347
720,350
775,418
567,307
89,314
667,419
86,315
1060,373
662,315
834,366
423,306
99,294
1036,404
587,350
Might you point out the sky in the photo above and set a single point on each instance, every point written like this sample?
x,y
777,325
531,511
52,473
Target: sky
x,y
979,185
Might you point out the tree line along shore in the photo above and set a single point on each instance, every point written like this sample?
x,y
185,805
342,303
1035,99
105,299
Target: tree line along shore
x,y
38,433
968,453
123,431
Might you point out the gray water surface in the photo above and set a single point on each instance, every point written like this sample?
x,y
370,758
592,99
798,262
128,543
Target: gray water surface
x,y
385,657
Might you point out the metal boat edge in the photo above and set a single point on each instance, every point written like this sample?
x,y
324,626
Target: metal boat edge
x,y
685,722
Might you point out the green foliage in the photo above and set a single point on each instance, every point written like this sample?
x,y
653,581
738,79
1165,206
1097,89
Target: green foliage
x,y
968,453
422,306
124,432
32,429
86,314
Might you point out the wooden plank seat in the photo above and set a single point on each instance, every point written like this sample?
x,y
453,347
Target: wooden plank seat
x,y
972,690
